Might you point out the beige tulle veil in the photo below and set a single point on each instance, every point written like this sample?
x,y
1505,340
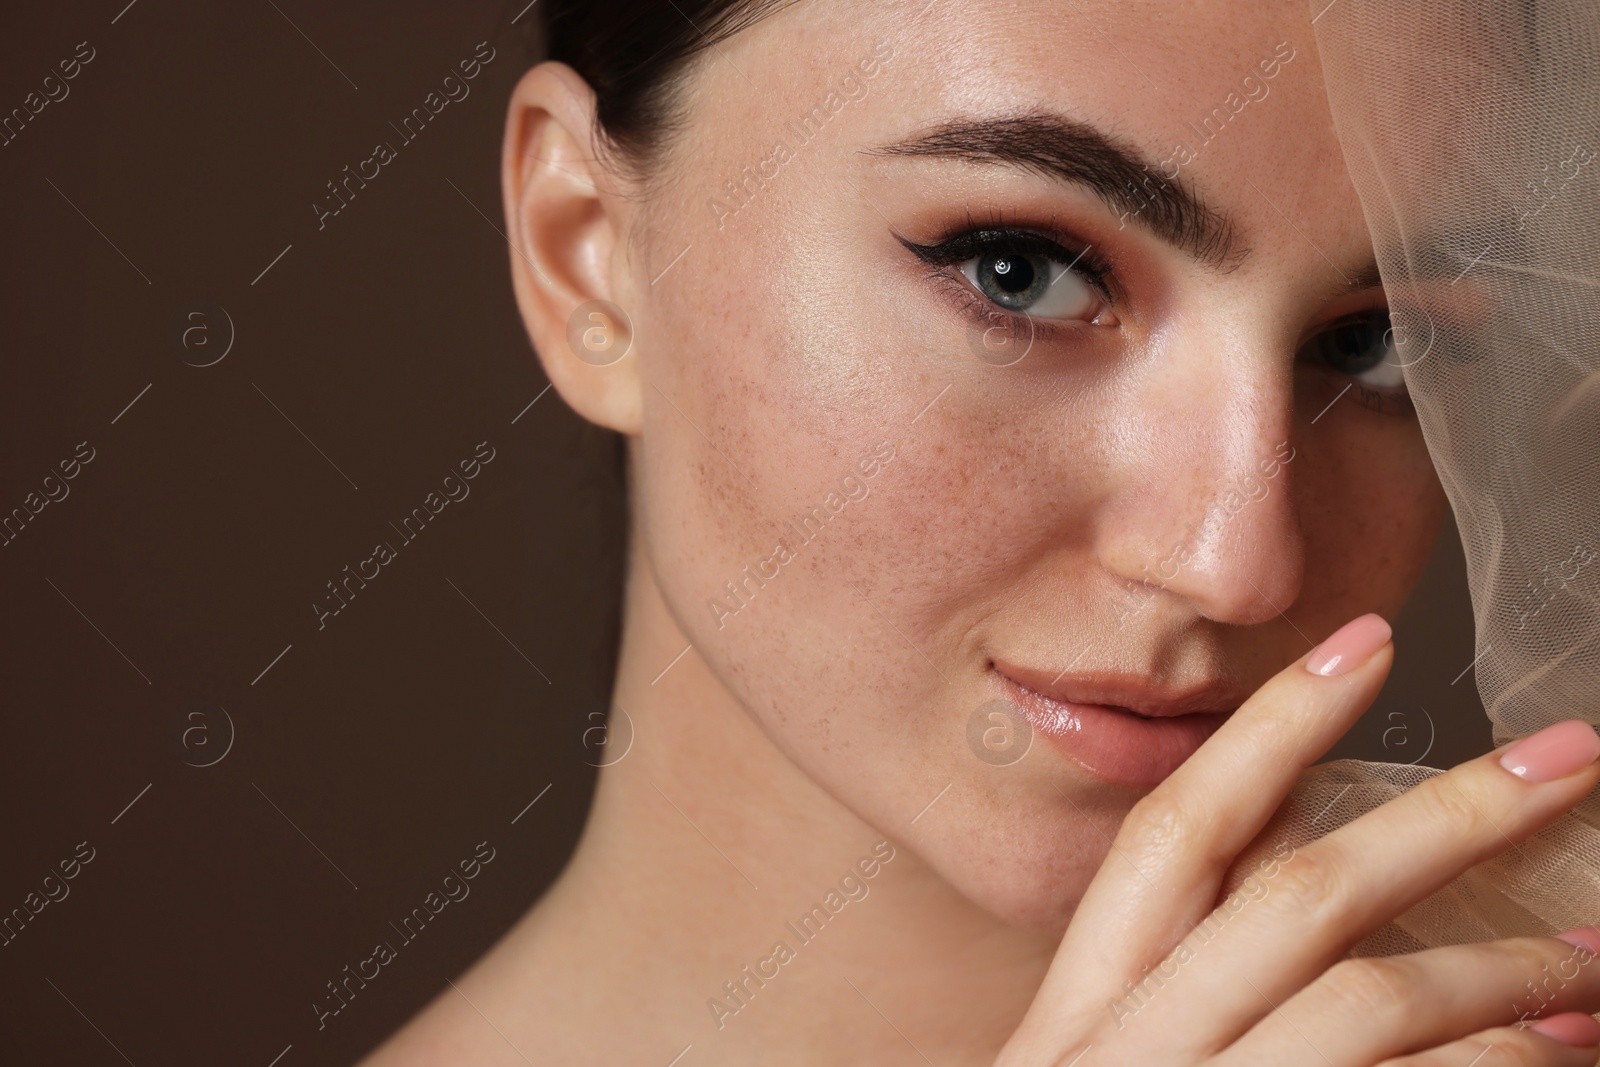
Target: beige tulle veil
x,y
1471,130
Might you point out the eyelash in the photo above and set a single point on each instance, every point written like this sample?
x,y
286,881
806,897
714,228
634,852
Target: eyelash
x,y
993,235
1385,403
1381,402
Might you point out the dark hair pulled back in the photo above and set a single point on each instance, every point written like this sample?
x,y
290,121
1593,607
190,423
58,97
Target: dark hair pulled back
x,y
635,55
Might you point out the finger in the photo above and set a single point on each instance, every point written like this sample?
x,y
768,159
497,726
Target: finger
x,y
1306,911
1362,1011
1176,844
1511,1046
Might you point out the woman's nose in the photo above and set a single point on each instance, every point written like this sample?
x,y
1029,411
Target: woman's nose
x,y
1202,501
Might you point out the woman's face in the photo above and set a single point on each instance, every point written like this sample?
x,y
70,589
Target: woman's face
x,y
913,494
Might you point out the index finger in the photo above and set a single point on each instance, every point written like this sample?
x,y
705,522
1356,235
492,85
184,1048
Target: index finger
x,y
1180,839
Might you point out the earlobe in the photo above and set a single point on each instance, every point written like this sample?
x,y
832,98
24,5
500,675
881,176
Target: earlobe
x,y
569,269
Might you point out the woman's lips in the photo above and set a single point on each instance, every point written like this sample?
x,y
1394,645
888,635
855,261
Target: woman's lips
x,y
1138,745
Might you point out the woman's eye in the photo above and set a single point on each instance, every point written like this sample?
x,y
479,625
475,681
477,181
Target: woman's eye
x,y
1363,347
1033,284
1024,274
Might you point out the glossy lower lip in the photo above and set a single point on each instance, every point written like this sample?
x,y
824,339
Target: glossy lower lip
x,y
1114,744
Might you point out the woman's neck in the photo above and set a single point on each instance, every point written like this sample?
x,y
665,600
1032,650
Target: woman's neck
x,y
720,899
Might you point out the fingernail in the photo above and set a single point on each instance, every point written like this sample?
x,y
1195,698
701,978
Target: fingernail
x,y
1570,1028
1554,752
1350,646
1584,937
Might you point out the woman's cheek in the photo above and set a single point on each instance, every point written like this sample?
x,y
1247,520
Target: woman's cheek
x,y
1371,508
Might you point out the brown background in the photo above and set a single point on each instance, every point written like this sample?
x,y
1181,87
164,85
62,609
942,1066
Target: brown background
x,y
381,749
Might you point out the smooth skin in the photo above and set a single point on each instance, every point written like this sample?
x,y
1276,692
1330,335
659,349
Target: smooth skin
x,y
1273,986
1021,518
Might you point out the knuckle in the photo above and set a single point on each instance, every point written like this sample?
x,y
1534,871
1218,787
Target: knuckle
x,y
1315,885
1446,805
1369,988
1543,964
1157,825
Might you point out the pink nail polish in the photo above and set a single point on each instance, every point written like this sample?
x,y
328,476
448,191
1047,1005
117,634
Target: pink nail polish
x,y
1350,646
1554,752
1584,937
1570,1028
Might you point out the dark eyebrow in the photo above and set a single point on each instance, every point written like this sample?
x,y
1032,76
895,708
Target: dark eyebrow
x,y
1066,149
1366,277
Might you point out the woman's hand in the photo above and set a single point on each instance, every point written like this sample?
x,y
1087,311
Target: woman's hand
x,y
1261,978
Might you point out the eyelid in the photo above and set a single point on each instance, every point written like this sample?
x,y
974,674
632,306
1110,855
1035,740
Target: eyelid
x,y
970,302
982,313
976,241
1386,403
1385,400
1359,314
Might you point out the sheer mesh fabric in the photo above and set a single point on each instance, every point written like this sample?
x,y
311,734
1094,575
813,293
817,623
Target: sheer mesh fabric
x,y
1471,130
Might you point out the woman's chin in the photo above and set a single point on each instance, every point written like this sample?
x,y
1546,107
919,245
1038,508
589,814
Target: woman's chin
x,y
1041,900
1029,883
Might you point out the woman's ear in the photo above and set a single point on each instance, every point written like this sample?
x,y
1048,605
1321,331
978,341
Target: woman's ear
x,y
568,255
